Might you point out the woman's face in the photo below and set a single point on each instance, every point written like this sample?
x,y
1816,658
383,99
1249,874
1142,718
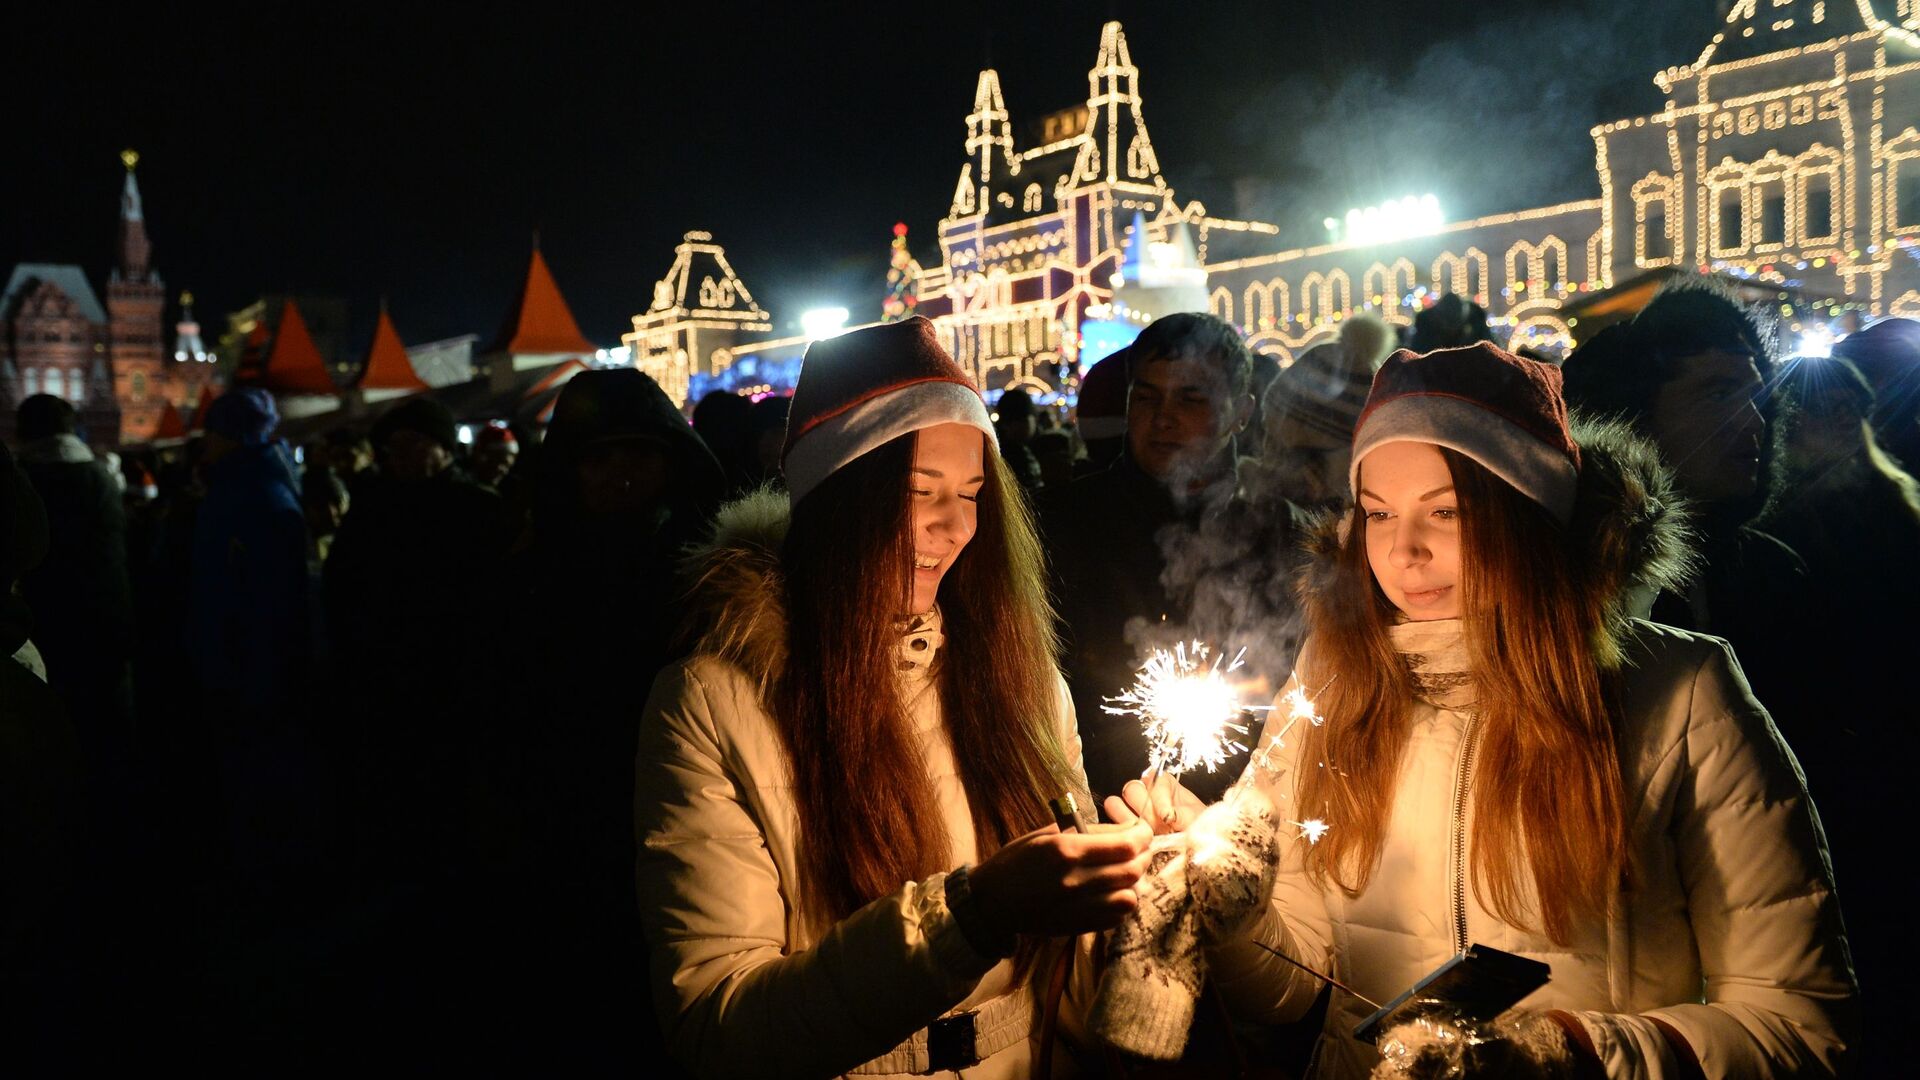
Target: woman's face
x,y
948,472
1413,528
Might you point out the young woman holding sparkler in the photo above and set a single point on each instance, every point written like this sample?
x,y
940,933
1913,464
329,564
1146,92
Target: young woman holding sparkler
x,y
873,703
1501,756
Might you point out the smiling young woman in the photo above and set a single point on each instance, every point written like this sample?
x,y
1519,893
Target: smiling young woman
x,y
846,860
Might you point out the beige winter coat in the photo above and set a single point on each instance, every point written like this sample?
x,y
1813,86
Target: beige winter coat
x,y
1730,932
742,987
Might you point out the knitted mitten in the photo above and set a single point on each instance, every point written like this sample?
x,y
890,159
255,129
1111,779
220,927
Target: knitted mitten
x,y
1233,849
1154,969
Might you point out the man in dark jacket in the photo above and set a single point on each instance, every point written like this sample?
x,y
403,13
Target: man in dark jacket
x,y
1164,546
80,594
407,584
622,485
40,799
1690,372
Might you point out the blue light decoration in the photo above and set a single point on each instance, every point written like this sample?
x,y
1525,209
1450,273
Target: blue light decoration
x,y
1101,338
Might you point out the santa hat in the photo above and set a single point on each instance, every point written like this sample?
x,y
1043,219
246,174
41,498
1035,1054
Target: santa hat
x,y
496,432
869,387
1503,411
1102,411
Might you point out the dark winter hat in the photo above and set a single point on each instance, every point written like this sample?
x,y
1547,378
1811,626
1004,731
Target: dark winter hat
x,y
41,416
1479,400
1015,404
1102,412
868,387
245,414
1887,350
421,414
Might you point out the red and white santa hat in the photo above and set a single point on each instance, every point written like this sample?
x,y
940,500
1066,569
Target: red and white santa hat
x,y
1504,411
866,388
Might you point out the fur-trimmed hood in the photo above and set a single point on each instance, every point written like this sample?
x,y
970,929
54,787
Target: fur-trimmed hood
x,y
736,601
1630,524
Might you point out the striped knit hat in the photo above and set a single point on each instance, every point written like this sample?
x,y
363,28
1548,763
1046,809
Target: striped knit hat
x,y
866,388
1501,410
1323,391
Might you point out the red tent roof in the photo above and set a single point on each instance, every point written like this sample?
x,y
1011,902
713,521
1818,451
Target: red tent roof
x,y
294,366
170,425
199,421
543,323
387,365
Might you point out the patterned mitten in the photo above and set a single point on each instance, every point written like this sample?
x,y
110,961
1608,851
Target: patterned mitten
x,y
1233,849
1145,1003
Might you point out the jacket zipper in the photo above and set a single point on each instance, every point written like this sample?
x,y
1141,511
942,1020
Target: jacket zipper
x,y
1462,783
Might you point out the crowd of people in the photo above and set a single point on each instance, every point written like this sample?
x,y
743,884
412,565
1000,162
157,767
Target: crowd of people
x,y
727,745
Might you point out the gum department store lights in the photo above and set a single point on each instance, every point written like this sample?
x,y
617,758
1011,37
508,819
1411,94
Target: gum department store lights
x,y
1788,150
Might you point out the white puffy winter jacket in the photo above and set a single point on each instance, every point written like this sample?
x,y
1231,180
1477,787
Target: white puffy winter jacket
x,y
1730,933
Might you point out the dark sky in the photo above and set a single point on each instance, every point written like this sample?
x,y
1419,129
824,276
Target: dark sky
x,y
410,150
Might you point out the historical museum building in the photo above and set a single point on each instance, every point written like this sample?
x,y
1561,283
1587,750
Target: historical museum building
x,y
111,362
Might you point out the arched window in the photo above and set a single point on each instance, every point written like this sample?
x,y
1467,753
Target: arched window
x,y
29,381
54,384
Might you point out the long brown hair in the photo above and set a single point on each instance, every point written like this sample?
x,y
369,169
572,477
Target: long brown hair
x,y
868,816
1548,802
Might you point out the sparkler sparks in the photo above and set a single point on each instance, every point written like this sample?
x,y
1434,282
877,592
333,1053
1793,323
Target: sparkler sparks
x,y
1190,712
1312,829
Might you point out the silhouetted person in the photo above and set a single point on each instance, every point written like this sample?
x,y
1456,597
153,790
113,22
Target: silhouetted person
x,y
80,594
1164,545
766,430
1100,415
1690,372
720,419
1016,423
250,623
408,582
249,603
494,451
1888,354
1450,322
622,486
1854,516
1311,410
41,801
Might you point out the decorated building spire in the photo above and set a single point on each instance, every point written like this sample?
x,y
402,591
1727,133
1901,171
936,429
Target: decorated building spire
x,y
1117,149
136,252
187,344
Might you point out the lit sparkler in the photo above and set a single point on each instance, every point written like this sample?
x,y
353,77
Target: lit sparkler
x,y
1190,712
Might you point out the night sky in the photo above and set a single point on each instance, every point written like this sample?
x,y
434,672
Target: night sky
x,y
361,153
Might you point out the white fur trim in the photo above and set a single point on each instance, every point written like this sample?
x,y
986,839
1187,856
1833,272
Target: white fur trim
x,y
1539,471
839,440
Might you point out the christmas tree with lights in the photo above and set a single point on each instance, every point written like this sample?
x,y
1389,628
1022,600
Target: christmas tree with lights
x,y
903,276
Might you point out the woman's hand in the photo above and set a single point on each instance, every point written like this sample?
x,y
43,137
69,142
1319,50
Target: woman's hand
x,y
1061,884
1167,806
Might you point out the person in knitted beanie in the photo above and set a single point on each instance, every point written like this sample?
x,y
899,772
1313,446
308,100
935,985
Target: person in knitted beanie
x,y
1476,744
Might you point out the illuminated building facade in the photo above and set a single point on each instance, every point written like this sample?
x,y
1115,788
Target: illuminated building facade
x,y
109,361
1787,152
